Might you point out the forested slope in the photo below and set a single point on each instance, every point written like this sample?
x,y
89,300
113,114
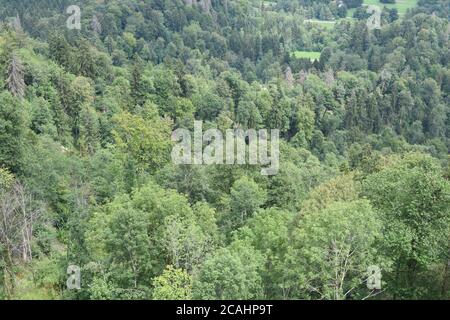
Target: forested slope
x,y
86,176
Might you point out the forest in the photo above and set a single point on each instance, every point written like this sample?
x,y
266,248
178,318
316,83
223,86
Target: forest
x,y
93,208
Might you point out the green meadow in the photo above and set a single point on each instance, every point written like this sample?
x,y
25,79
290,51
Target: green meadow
x,y
313,55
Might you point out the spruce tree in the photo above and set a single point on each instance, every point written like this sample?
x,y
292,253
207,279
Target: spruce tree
x,y
15,77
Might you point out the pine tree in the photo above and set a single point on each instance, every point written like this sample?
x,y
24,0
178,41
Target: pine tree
x,y
15,78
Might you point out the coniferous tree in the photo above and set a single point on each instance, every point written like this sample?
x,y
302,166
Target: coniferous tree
x,y
15,77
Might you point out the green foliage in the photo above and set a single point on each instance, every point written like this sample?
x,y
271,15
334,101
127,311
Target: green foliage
x,y
6,179
173,284
134,234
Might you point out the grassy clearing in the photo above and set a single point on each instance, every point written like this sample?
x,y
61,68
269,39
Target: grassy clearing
x,y
312,55
401,5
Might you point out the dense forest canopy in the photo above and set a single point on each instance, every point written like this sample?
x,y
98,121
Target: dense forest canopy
x,y
86,177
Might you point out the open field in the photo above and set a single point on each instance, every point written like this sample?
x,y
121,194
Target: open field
x,y
313,55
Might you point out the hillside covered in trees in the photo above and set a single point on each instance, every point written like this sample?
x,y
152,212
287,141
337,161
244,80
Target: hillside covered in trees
x,y
87,181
